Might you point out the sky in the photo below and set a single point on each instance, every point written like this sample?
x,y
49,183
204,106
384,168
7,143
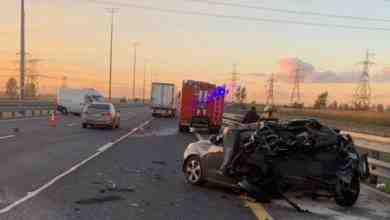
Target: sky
x,y
71,38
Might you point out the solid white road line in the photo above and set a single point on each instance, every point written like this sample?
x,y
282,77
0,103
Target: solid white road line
x,y
105,147
257,208
6,137
100,150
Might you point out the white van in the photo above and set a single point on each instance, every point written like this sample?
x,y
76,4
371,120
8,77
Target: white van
x,y
74,100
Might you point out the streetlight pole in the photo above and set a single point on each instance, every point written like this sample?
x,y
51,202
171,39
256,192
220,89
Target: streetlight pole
x,y
135,44
22,50
151,79
112,12
144,84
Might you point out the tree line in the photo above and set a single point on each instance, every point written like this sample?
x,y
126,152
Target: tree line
x,y
12,89
322,102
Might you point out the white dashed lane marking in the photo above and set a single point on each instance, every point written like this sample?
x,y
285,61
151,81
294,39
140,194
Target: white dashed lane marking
x,y
99,151
7,137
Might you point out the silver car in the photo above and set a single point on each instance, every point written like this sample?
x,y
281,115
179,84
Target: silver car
x,y
202,162
100,115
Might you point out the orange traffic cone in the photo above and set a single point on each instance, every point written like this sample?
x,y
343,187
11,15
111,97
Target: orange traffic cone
x,y
53,120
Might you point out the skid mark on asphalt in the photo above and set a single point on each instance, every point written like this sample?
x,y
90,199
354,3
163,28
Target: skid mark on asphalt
x,y
72,169
257,208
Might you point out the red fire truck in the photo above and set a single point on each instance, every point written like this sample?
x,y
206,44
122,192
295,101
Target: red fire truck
x,y
202,105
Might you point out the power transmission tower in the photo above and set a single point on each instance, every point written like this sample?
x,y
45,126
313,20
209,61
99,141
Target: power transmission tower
x,y
112,12
295,98
362,93
270,90
233,84
22,64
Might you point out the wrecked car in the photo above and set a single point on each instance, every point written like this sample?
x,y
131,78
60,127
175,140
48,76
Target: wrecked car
x,y
276,157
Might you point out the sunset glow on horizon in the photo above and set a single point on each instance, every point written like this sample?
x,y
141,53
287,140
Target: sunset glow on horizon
x,y
71,38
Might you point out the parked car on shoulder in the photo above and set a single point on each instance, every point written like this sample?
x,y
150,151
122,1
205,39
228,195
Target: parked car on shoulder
x,y
100,115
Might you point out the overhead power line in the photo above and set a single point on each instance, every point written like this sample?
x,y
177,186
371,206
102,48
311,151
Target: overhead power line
x,y
297,12
236,17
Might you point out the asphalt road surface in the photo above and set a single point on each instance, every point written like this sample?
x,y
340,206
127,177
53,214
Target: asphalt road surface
x,y
134,173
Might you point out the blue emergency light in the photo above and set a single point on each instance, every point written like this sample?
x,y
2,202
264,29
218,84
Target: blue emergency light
x,y
219,92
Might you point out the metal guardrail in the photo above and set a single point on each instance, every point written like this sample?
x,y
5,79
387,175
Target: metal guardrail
x,y
29,108
375,145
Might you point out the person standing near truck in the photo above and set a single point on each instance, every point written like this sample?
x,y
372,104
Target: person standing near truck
x,y
251,116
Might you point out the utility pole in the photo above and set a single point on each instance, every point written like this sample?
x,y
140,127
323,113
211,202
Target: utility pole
x,y
143,89
151,79
22,50
64,83
135,44
112,12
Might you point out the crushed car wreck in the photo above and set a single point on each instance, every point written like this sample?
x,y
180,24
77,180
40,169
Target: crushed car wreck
x,y
277,157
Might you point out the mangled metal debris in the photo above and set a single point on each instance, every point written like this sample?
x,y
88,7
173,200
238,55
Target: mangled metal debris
x,y
277,157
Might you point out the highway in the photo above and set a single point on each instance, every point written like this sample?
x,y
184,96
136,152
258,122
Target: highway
x,y
68,172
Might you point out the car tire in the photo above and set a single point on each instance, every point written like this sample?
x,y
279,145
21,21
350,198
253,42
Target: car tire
x,y
346,196
84,125
193,171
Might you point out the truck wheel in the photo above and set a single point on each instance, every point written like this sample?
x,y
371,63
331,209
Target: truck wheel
x,y
347,195
183,128
214,130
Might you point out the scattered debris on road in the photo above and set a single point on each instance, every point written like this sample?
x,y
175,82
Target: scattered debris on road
x,y
96,200
159,162
135,205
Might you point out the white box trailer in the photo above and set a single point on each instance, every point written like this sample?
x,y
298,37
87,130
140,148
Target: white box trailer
x,y
162,100
74,100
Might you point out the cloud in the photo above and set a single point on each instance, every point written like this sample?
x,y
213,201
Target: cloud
x,y
333,77
382,77
257,74
309,74
289,65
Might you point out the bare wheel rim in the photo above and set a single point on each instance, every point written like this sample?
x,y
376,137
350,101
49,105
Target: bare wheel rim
x,y
193,171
